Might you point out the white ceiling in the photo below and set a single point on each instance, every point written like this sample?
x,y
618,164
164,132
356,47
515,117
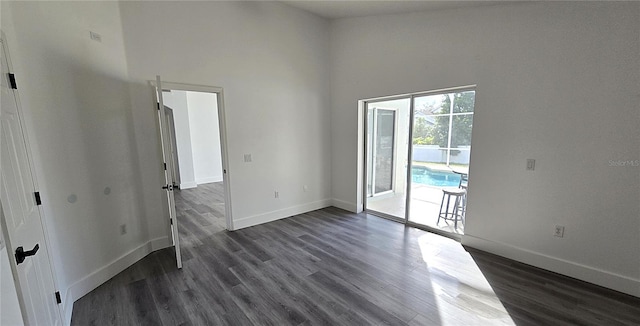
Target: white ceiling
x,y
334,9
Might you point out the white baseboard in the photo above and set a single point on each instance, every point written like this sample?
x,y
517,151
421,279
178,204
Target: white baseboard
x,y
88,283
188,185
280,214
209,180
347,206
579,271
160,243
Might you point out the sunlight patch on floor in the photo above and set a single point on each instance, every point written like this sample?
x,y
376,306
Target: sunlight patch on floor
x,y
461,290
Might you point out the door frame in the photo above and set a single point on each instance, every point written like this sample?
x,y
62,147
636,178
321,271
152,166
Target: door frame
x,y
362,135
34,180
361,170
222,124
394,153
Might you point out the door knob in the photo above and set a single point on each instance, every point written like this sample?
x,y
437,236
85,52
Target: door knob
x,y
21,255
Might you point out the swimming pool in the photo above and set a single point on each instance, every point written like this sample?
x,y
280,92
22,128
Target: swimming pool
x,y
424,175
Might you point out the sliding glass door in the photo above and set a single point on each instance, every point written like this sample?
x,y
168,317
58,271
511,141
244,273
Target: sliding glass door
x,y
441,147
416,147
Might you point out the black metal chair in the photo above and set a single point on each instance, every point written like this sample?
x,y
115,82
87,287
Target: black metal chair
x,y
458,209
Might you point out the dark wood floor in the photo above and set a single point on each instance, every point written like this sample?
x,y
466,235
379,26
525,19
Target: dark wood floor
x,y
332,267
200,212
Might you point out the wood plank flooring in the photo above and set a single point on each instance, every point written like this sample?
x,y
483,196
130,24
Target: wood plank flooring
x,y
200,212
332,267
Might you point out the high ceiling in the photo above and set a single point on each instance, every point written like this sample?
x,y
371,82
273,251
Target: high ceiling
x,y
355,8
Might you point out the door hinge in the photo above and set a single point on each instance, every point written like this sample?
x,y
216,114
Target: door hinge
x,y
171,221
12,81
158,105
38,200
165,166
58,298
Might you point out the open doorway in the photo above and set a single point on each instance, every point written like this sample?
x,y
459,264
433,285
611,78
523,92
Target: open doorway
x,y
192,133
417,153
387,139
196,152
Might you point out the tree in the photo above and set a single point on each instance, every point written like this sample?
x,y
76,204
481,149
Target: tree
x,y
422,133
462,124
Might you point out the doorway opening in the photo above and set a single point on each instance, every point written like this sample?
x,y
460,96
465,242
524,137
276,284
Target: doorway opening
x,y
416,158
387,139
196,153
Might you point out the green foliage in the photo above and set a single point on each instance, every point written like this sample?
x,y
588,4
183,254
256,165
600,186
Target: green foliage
x,y
422,132
423,140
438,133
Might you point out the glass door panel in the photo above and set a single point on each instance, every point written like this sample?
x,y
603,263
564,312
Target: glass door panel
x,y
384,154
386,157
441,146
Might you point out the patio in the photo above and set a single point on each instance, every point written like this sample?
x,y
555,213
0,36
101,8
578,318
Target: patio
x,y
424,207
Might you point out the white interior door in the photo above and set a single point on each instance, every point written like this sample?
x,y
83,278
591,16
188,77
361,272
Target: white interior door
x,y
165,137
174,149
22,220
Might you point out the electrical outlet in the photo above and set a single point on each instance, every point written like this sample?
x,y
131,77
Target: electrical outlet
x,y
305,188
276,194
123,229
559,231
531,164
247,158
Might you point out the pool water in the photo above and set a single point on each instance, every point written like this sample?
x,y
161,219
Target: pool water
x,y
424,175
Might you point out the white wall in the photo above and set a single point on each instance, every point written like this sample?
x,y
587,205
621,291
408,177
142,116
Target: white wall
x,y
205,136
177,101
558,82
555,81
272,61
197,136
76,98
